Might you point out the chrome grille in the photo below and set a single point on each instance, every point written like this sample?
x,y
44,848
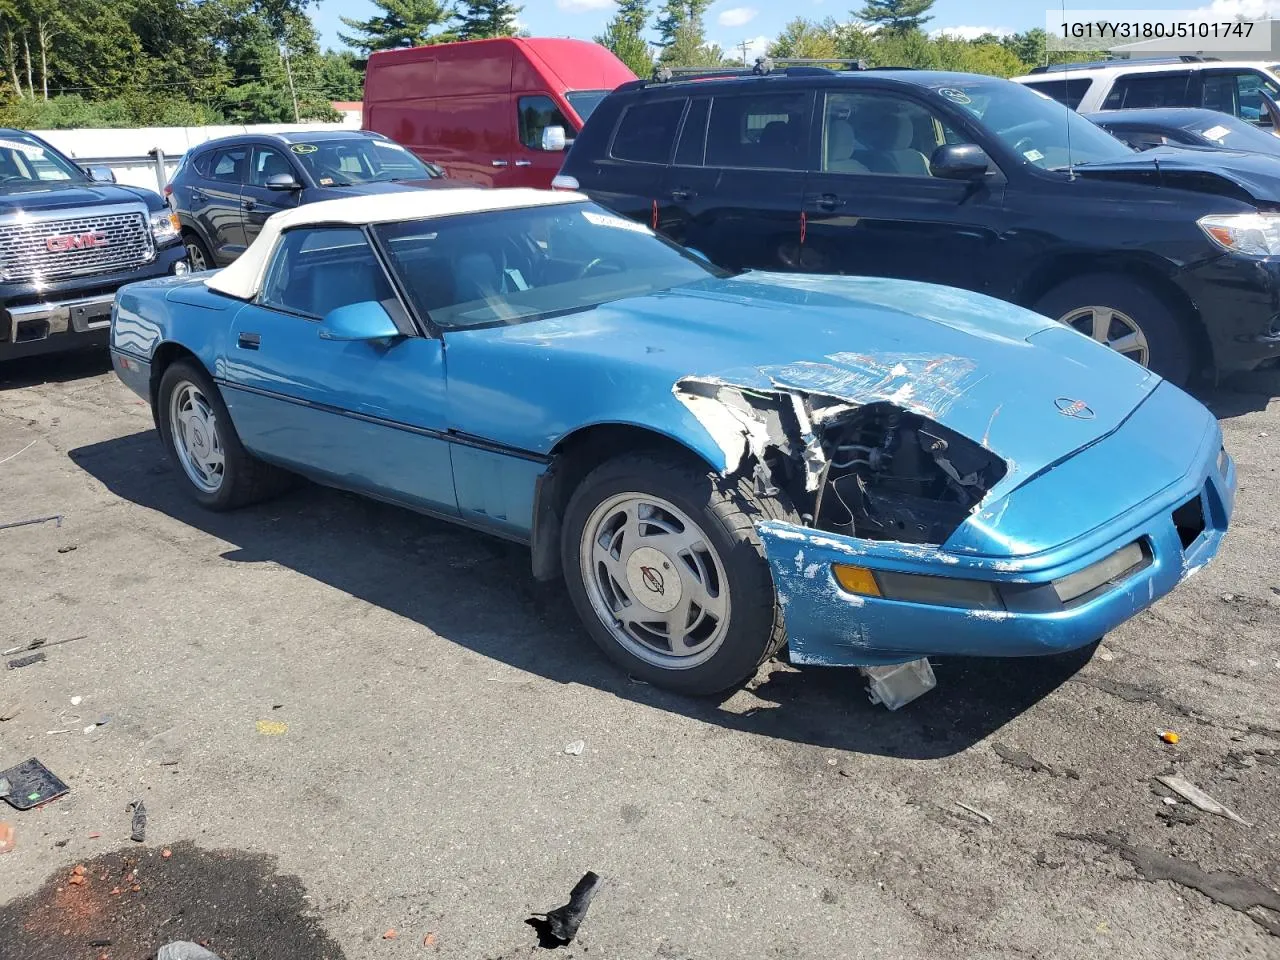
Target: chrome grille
x,y
25,255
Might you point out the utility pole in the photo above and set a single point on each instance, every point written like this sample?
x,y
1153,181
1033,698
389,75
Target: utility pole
x,y
743,47
284,49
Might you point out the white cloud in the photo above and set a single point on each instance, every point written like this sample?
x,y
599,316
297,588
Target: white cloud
x,y
1249,9
583,6
756,47
969,33
737,16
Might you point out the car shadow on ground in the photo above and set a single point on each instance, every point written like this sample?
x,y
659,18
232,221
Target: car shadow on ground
x,y
55,368
477,591
1239,393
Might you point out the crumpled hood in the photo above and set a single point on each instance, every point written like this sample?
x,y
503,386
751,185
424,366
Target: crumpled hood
x,y
1028,389
1204,170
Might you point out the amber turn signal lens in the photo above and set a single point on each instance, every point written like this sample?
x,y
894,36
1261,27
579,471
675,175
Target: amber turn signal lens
x,y
856,579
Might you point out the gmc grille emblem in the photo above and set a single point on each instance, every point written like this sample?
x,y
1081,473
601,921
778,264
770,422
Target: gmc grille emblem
x,y
76,241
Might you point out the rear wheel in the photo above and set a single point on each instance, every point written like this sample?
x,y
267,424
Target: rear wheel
x,y
198,254
198,434
665,569
1127,317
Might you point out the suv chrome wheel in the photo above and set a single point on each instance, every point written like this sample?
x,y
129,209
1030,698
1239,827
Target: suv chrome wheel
x,y
655,581
194,426
1111,328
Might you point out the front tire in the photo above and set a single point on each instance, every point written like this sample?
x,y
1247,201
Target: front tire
x,y
198,255
217,472
1128,317
667,574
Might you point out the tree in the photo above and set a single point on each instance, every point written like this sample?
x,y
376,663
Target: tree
x,y
898,16
805,39
480,19
341,77
402,23
683,36
624,36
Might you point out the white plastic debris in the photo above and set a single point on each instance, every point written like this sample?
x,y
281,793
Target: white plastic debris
x,y
184,950
1199,799
75,701
575,748
1169,801
897,685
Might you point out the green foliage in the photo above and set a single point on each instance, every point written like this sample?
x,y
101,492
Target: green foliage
x,y
624,35
805,39
400,23
481,19
71,110
898,16
341,75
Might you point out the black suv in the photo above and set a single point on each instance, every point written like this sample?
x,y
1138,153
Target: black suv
x,y
224,190
1171,256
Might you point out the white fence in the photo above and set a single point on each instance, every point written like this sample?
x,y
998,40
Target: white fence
x,y
147,156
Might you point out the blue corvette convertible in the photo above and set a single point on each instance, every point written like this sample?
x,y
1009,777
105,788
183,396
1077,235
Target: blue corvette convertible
x,y
871,471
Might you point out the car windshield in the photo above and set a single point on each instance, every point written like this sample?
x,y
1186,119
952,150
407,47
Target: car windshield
x,y
513,266
584,102
341,163
25,161
1041,131
1233,133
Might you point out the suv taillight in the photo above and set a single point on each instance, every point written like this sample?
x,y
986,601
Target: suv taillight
x,y
563,181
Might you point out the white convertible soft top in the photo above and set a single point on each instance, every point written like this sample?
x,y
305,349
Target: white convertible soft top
x,y
244,277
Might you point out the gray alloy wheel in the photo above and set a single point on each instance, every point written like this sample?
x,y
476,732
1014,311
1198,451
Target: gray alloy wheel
x,y
1112,328
194,426
196,255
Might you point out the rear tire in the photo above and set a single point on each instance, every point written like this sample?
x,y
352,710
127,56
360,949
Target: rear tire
x,y
1125,315
667,574
198,255
217,472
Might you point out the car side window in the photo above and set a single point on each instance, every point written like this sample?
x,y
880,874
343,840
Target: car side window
x,y
1239,93
693,135
268,163
1137,90
228,165
1068,91
535,115
647,131
1138,139
762,130
317,270
880,133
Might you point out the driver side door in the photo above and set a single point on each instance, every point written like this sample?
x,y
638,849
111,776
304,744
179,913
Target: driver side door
x,y
873,206
367,416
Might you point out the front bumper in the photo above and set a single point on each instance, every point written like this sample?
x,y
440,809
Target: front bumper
x,y
1238,299
829,625
72,315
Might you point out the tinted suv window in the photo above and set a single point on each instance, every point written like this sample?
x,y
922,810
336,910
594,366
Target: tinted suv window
x,y
535,115
315,271
1065,90
881,133
759,130
1149,90
228,165
1238,93
268,163
647,130
693,135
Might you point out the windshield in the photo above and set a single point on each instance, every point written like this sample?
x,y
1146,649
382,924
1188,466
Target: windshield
x,y
512,266
341,163
584,102
25,161
1042,132
1234,134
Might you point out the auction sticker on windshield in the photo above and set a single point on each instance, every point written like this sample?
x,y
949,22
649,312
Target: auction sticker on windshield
x,y
26,149
304,148
604,220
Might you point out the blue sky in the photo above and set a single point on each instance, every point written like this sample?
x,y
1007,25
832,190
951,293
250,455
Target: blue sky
x,y
730,22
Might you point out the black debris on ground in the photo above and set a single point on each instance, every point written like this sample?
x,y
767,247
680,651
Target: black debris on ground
x,y
1025,761
232,902
559,926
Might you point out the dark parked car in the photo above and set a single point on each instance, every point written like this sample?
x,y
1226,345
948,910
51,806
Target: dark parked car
x,y
1179,126
1172,257
224,190
69,237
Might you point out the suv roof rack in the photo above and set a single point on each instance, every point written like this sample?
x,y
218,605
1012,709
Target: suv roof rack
x,y
1139,62
763,67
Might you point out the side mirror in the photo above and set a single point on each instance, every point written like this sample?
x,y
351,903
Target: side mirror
x,y
283,182
553,139
100,174
960,161
366,320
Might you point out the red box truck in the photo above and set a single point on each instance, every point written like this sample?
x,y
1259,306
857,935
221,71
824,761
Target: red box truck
x,y
494,112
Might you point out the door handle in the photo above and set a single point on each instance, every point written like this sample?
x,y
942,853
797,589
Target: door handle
x,y
829,201
499,163
524,163
249,341
680,195
248,204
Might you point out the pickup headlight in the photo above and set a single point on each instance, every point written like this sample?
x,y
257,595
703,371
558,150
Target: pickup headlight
x,y
165,227
1253,234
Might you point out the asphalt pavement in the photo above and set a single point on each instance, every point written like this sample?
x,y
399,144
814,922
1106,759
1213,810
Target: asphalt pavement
x,y
350,720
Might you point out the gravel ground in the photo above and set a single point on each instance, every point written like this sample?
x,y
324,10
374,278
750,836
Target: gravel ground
x,y
368,711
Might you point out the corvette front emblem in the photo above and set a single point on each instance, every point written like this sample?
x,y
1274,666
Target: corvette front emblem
x,y
1075,409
